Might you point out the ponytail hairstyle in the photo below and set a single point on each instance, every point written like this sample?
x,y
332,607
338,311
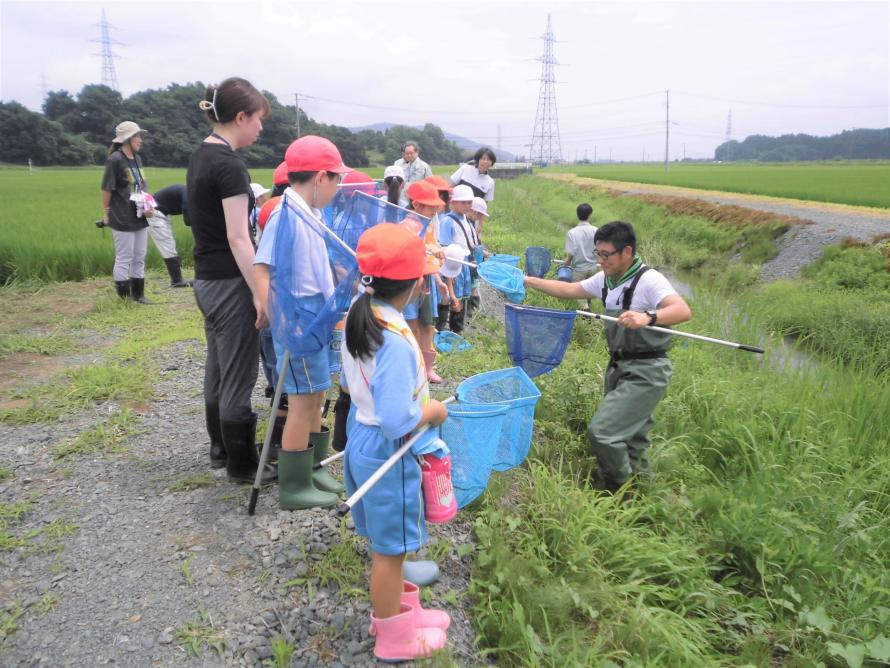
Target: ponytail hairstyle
x,y
393,188
114,146
364,333
224,102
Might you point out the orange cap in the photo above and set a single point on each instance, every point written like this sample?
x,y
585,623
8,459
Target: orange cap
x,y
314,154
424,192
440,182
279,176
391,251
266,211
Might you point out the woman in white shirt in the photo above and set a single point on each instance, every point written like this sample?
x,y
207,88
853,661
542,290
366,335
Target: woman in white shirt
x,y
475,174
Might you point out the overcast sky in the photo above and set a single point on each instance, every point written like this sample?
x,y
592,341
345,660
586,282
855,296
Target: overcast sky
x,y
470,67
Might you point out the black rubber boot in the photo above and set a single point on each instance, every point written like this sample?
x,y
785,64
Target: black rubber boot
x,y
123,289
241,455
456,318
341,415
137,291
174,268
217,449
442,317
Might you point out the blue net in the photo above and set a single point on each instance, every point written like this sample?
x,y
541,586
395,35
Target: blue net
x,y
537,261
512,260
504,277
511,388
564,273
448,342
344,195
334,348
361,211
537,338
472,435
313,280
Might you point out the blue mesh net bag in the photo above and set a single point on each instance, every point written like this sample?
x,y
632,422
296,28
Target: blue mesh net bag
x,y
512,260
313,280
449,342
537,261
361,211
345,191
472,435
336,342
511,388
504,277
537,338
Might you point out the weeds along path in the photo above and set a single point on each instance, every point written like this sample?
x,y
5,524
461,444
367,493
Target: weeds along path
x,y
118,544
825,223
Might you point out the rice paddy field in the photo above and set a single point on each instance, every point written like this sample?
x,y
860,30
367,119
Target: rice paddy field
x,y
862,183
763,538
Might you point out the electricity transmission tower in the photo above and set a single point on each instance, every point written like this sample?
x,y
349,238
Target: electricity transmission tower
x,y
729,126
545,146
109,74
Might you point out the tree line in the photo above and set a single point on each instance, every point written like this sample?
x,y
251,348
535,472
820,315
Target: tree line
x,y
848,145
77,130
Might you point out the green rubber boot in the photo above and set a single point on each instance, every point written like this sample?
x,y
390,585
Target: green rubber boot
x,y
295,488
319,442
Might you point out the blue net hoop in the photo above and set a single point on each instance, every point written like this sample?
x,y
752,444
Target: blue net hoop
x,y
537,337
512,260
449,342
361,211
511,388
564,274
505,278
537,261
472,435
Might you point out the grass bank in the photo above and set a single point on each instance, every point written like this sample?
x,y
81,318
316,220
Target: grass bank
x,y
762,540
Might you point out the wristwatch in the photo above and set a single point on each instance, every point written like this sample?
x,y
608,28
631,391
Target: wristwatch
x,y
653,316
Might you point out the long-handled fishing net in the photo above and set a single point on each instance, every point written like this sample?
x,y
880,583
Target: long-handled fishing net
x,y
537,261
472,435
537,338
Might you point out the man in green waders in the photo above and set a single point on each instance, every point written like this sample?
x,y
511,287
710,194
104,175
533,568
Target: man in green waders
x,y
639,368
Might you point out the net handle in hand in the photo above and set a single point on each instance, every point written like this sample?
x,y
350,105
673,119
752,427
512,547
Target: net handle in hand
x,y
347,505
674,332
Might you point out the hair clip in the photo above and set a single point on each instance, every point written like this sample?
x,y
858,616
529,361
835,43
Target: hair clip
x,y
205,105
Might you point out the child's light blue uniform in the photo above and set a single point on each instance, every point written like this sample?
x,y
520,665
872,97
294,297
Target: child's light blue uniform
x,y
449,233
391,514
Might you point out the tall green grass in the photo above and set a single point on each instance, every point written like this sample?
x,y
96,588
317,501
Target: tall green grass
x,y
763,537
852,182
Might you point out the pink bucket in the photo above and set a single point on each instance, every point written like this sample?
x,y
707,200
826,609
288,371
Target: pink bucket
x,y
438,494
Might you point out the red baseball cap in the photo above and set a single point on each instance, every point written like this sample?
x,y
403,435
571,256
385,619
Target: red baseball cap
x,y
314,154
279,176
424,192
440,182
392,251
266,211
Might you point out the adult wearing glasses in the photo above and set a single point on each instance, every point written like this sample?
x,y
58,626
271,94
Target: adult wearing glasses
x,y
639,369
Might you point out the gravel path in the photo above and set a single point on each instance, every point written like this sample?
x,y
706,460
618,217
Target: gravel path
x,y
125,557
828,223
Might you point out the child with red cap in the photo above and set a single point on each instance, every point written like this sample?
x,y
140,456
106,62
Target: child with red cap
x,y
301,279
380,356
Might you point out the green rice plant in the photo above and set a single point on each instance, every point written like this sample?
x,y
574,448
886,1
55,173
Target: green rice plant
x,y
861,182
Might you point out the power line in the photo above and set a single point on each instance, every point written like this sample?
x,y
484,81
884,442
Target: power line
x,y
782,105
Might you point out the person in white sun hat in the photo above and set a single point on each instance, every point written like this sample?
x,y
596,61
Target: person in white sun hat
x,y
454,228
394,182
476,215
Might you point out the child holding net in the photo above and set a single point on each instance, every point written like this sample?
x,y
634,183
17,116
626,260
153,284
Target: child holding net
x,y
379,356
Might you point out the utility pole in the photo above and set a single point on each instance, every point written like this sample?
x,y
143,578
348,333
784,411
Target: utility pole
x,y
594,154
297,107
644,154
667,126
610,154
499,137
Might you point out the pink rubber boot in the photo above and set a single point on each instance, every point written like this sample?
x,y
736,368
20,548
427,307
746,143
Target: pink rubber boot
x,y
423,617
399,639
429,360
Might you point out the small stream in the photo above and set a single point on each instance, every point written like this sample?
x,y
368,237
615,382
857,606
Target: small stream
x,y
786,356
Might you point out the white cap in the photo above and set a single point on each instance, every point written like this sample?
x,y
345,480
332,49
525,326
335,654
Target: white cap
x,y
450,268
394,170
479,206
462,193
258,190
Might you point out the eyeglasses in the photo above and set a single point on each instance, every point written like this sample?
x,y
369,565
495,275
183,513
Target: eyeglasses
x,y
605,255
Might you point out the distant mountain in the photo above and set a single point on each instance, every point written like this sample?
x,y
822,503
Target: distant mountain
x,y
462,142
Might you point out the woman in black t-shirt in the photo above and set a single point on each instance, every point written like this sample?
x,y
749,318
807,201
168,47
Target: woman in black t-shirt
x,y
220,201
123,189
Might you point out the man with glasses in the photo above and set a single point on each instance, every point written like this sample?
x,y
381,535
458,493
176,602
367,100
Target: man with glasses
x,y
415,169
639,369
